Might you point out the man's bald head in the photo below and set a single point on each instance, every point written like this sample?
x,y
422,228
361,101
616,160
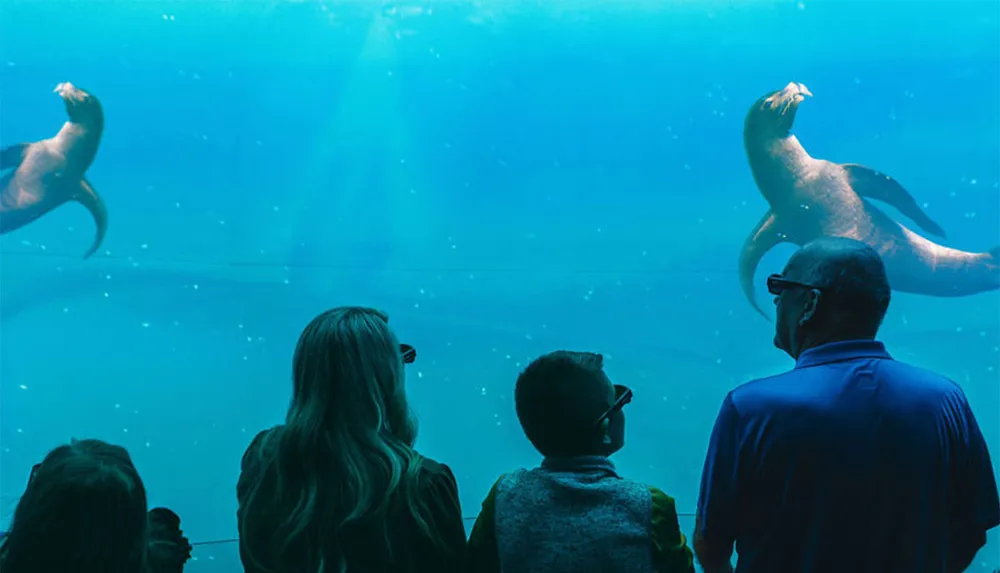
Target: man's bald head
x,y
851,277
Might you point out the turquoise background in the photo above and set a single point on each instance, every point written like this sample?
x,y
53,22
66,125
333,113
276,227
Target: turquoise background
x,y
503,177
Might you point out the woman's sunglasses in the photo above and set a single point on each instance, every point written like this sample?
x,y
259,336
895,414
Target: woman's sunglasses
x,y
623,395
409,353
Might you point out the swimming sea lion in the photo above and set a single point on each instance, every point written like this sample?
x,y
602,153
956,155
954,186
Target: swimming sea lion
x,y
50,172
812,197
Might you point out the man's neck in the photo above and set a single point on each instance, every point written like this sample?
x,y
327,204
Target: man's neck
x,y
817,340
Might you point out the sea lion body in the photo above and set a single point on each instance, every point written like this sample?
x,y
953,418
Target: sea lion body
x,y
811,198
45,174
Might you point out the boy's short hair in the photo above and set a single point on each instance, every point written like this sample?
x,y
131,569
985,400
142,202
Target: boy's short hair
x,y
556,397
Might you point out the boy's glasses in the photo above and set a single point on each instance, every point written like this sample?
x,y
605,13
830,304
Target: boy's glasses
x,y
623,395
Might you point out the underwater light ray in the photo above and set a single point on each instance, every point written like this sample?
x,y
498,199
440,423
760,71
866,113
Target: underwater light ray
x,y
365,216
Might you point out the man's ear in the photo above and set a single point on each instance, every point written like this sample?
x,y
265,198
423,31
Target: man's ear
x,y
809,307
605,430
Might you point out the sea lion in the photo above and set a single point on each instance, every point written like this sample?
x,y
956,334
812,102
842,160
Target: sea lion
x,y
812,197
50,172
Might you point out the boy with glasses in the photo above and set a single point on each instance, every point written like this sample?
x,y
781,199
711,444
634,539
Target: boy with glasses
x,y
574,513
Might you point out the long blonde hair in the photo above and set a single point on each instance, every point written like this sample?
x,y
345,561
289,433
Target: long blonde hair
x,y
344,458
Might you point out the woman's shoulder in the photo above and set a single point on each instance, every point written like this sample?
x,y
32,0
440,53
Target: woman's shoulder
x,y
438,492
267,436
432,469
253,462
262,444
437,478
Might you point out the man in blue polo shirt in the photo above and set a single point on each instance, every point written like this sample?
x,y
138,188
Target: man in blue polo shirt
x,y
851,462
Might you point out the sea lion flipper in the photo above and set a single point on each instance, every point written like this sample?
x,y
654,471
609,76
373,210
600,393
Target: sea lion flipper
x,y
12,156
93,202
874,185
764,237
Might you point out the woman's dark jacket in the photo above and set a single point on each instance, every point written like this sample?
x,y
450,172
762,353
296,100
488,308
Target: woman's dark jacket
x,y
413,552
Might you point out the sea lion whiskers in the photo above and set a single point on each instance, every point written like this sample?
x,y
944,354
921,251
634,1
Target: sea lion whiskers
x,y
790,96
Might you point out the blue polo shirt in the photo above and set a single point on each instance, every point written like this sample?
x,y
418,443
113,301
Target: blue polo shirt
x,y
850,462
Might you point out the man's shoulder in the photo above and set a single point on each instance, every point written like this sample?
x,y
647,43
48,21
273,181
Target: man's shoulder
x,y
928,379
766,388
797,384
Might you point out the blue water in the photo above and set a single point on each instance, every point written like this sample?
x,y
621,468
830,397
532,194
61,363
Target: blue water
x,y
503,177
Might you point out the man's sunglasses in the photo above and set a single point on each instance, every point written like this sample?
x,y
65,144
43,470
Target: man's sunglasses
x,y
776,285
623,395
409,353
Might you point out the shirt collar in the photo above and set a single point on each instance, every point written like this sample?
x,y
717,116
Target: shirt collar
x,y
840,351
587,464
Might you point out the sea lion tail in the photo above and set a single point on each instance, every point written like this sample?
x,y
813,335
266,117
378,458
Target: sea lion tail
x,y
763,237
746,282
93,202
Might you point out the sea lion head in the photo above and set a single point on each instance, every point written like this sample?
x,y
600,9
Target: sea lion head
x,y
773,114
81,106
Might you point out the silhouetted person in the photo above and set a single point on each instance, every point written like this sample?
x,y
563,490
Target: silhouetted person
x,y
852,461
339,487
575,514
84,511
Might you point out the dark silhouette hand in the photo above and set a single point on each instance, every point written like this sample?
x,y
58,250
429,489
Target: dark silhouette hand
x,y
169,549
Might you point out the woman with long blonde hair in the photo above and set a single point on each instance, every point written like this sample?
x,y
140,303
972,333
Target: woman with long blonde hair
x,y
338,487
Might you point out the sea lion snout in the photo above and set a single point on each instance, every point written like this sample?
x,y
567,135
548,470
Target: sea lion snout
x,y
774,113
797,89
788,97
66,90
80,105
71,94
